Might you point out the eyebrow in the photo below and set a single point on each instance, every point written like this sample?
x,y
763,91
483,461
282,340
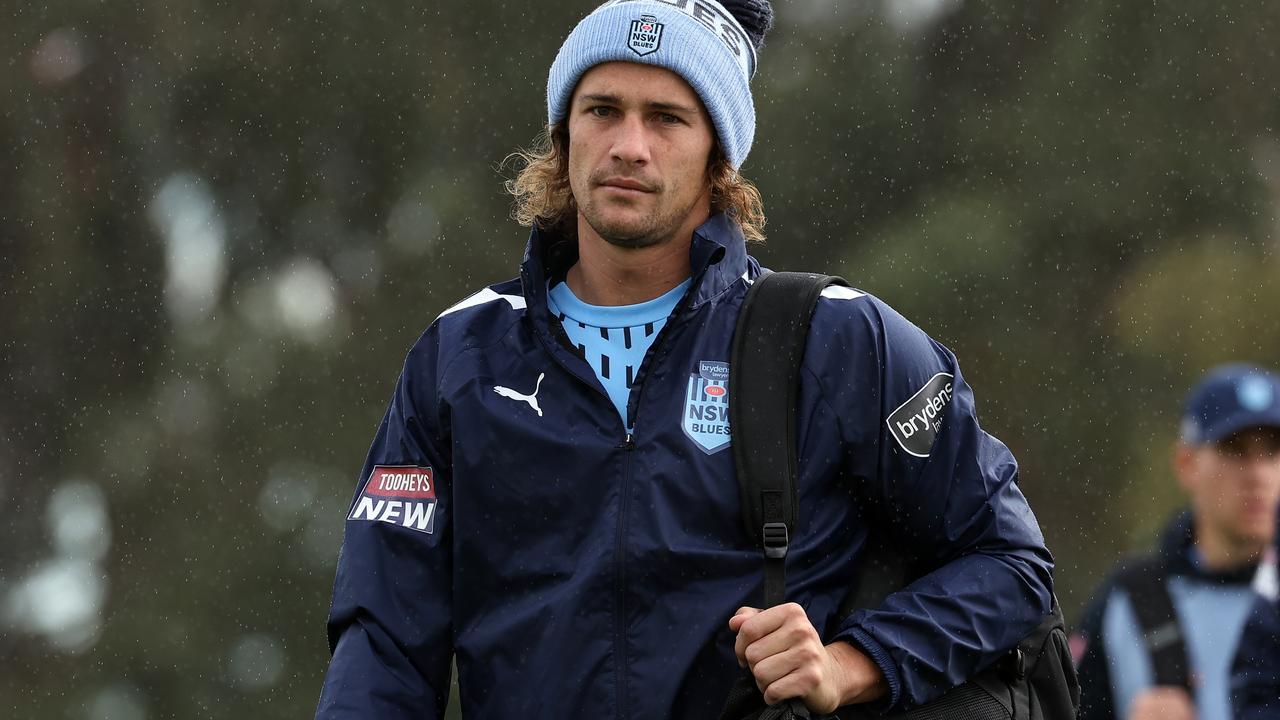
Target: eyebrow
x,y
651,105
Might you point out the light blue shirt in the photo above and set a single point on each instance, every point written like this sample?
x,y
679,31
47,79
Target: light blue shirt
x,y
614,338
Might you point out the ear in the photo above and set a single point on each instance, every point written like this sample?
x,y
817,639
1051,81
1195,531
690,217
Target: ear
x,y
1184,462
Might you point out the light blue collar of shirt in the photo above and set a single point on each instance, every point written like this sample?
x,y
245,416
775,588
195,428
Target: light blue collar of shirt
x,y
617,316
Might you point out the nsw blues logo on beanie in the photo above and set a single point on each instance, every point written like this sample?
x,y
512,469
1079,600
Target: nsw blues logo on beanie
x,y
646,35
699,40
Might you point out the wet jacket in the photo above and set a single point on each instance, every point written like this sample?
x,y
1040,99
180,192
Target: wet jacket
x,y
506,518
1255,677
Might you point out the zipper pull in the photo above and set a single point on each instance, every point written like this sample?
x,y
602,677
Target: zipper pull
x,y
628,443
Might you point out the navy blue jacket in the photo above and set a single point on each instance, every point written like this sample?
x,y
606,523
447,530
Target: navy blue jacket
x,y
1255,676
504,516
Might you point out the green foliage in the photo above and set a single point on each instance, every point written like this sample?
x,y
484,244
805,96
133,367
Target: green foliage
x,y
1080,200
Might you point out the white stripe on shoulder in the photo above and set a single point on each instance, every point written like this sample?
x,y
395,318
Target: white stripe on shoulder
x,y
486,295
840,292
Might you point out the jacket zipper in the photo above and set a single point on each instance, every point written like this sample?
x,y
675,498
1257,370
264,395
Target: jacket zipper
x,y
559,336
654,355
620,580
627,446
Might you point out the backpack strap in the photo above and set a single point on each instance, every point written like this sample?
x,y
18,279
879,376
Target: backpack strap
x,y
1146,582
764,373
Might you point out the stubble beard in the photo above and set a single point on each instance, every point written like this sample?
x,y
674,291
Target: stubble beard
x,y
634,233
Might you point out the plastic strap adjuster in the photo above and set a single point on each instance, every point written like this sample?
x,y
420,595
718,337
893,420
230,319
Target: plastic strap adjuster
x,y
776,540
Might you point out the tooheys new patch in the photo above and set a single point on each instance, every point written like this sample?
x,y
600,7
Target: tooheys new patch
x,y
402,495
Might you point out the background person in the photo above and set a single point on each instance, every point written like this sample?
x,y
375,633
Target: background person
x,y
1228,463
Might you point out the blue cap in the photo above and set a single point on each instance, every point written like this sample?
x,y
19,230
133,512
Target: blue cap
x,y
1229,399
699,40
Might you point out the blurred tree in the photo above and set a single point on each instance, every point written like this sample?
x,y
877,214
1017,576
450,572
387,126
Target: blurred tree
x,y
222,225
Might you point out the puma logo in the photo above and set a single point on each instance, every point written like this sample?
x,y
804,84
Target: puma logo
x,y
531,399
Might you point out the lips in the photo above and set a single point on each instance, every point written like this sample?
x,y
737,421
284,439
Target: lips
x,y
626,184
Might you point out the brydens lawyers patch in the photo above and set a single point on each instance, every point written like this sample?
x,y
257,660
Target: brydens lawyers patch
x,y
402,495
705,417
645,35
916,422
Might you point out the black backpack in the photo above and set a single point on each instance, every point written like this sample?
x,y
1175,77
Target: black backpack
x,y
1033,681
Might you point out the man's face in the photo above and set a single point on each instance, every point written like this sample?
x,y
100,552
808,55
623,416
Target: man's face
x,y
1234,485
639,141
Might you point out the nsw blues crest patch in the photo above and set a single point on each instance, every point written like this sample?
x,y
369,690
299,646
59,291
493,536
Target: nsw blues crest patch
x,y
645,36
705,417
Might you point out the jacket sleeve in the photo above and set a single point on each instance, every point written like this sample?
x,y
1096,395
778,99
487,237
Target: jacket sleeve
x,y
390,622
949,493
1255,675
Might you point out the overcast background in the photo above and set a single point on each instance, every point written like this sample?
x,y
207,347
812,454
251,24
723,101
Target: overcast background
x,y
223,224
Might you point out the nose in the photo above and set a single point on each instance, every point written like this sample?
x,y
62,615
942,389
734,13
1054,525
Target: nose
x,y
630,142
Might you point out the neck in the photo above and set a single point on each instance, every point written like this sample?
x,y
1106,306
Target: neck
x,y
606,274
1221,553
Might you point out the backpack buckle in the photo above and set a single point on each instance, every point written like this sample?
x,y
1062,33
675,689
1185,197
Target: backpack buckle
x,y
776,540
1019,664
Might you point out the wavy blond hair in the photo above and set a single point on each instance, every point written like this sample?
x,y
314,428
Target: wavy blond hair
x,y
544,199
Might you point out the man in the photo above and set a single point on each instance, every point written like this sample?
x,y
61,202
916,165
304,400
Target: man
x,y
1140,662
550,498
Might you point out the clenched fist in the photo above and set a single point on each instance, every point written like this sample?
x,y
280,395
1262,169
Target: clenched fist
x,y
788,660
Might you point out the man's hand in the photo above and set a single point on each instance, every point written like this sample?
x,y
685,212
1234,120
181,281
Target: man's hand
x,y
788,660
1162,702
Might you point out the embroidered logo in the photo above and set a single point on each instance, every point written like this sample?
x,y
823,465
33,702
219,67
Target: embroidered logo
x,y
645,36
403,495
711,15
532,399
705,417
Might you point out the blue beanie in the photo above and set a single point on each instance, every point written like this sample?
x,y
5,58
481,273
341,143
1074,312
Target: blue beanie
x,y
697,39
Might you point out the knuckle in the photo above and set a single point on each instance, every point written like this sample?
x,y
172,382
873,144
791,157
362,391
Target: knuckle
x,y
809,654
787,687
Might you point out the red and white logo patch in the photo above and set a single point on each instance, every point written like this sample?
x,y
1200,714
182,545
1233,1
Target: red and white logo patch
x,y
402,495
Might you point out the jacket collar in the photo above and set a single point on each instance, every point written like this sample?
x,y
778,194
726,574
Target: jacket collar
x,y
717,259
